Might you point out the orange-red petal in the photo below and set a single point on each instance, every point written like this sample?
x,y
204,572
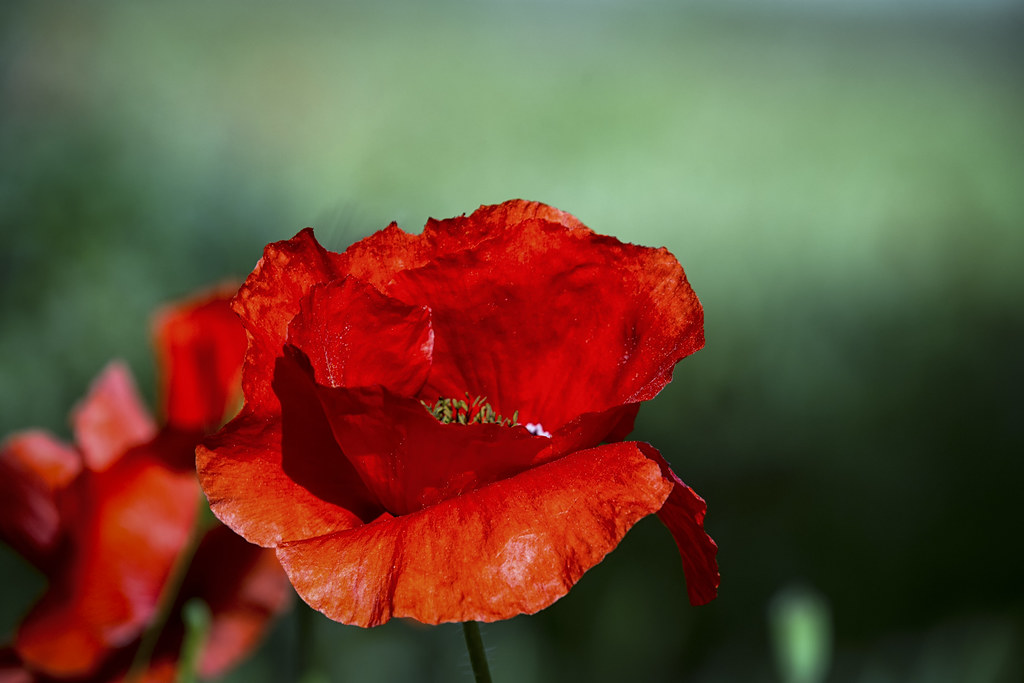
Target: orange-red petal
x,y
510,548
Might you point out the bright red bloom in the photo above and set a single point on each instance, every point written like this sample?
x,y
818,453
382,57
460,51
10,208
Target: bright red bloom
x,y
339,458
106,520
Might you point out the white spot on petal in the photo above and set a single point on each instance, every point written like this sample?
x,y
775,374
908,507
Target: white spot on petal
x,y
536,429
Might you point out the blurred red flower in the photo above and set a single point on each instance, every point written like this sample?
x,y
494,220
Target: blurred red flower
x,y
424,415
107,520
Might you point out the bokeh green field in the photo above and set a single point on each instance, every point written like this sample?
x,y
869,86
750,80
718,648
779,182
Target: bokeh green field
x,y
845,190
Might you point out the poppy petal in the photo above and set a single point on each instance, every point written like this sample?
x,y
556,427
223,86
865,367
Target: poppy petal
x,y
34,466
488,221
409,459
378,258
128,525
603,328
244,586
355,336
11,668
111,419
683,514
509,548
200,344
267,500
610,425
269,299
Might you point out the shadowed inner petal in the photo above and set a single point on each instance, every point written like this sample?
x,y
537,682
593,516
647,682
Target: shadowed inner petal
x,y
310,455
409,459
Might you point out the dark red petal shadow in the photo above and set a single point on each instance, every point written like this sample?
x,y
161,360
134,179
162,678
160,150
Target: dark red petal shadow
x,y
283,478
510,548
409,459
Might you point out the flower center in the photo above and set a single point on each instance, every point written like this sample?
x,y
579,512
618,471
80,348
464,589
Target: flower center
x,y
468,411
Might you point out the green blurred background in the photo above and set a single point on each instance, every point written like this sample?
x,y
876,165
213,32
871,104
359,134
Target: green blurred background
x,y
843,182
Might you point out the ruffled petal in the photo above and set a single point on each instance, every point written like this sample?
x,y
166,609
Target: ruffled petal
x,y
379,257
683,514
34,467
491,221
111,419
555,323
128,526
200,345
267,302
355,336
510,548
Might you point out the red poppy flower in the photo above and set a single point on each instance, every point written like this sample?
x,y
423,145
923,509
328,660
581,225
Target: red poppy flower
x,y
432,423
108,519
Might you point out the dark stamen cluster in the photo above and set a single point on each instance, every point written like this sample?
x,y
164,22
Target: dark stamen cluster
x,y
467,412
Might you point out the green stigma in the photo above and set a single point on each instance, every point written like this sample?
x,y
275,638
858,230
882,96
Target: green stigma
x,y
468,412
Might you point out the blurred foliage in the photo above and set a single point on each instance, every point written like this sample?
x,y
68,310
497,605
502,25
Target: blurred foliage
x,y
843,189
801,628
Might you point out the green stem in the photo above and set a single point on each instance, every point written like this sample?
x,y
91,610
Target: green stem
x,y
197,617
169,595
477,656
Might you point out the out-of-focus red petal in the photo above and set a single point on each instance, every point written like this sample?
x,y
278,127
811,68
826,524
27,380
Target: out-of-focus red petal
x,y
267,302
267,500
39,454
200,344
11,668
128,525
510,548
602,328
683,514
355,336
34,467
409,459
111,419
244,587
